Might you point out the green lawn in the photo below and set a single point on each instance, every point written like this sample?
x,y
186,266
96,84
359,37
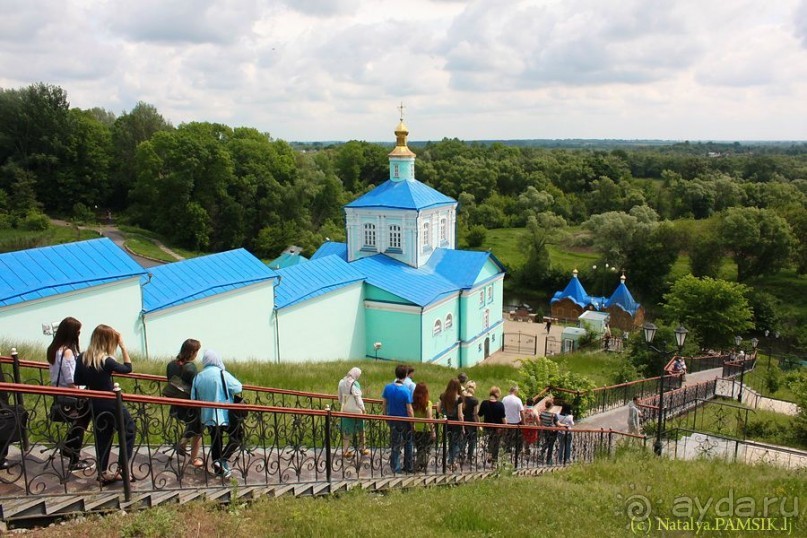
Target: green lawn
x,y
146,248
13,240
599,367
728,418
584,500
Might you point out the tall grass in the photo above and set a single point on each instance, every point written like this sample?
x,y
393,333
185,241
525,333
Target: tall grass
x,y
317,377
585,500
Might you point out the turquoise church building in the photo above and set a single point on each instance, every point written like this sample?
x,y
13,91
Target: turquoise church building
x,y
398,289
424,300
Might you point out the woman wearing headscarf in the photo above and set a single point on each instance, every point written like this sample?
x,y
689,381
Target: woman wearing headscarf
x,y
350,401
214,384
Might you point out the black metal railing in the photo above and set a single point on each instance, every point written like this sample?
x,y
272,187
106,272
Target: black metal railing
x,y
14,369
274,446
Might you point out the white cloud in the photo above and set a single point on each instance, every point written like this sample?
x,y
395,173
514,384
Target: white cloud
x,y
336,69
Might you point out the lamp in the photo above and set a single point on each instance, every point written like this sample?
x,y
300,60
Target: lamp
x,y
680,338
737,340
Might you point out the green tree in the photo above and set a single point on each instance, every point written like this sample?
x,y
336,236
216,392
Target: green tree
x,y
129,130
759,239
714,310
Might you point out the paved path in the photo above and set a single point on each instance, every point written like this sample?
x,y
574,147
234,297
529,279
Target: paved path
x,y
617,419
527,330
117,237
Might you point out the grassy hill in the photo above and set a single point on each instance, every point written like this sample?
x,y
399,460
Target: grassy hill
x,y
585,500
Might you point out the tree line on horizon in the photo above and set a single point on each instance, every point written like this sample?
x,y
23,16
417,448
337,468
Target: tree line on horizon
x,y
211,187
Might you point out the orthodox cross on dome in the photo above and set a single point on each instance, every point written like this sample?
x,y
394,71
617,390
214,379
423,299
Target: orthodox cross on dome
x,y
401,108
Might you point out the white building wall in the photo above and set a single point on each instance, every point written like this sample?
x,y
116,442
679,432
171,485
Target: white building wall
x,y
328,327
238,324
117,304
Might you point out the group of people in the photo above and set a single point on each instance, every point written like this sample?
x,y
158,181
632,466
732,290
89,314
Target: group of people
x,y
93,369
468,417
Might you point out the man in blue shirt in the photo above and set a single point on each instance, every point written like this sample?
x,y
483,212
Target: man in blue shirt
x,y
398,403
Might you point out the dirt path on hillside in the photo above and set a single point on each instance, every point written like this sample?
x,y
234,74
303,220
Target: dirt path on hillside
x,y
119,238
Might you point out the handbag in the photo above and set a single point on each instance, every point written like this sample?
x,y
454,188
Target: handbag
x,y
13,421
65,408
349,404
177,388
237,416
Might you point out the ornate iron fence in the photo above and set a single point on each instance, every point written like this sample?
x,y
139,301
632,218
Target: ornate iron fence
x,y
13,369
274,446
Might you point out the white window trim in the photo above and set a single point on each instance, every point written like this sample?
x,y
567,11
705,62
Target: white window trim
x,y
437,329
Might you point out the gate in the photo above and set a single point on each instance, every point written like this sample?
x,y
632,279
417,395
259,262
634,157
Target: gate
x,y
521,343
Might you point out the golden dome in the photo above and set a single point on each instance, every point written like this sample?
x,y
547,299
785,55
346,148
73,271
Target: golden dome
x,y
401,149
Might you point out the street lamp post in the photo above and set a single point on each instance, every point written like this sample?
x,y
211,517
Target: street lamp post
x,y
680,337
737,340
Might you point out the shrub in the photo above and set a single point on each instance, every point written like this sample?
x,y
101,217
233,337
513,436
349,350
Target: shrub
x,y
36,221
476,236
82,214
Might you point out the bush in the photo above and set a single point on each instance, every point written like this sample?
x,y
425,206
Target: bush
x,y
773,379
476,236
83,214
35,221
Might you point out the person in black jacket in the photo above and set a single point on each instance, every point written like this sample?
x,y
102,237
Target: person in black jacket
x,y
95,370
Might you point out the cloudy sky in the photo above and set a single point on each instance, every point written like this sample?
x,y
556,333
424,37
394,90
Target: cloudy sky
x,y
489,69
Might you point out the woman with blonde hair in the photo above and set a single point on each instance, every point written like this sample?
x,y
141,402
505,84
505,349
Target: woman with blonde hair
x,y
470,407
95,370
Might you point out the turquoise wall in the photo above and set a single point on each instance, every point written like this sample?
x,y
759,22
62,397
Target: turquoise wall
x,y
326,328
117,304
397,332
238,324
473,352
372,293
436,345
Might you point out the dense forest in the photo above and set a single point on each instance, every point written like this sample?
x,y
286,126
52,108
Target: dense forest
x,y
211,187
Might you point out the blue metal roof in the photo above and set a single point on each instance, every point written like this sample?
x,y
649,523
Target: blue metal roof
x,y
287,259
317,277
182,282
623,299
410,194
575,292
462,267
43,272
420,286
329,248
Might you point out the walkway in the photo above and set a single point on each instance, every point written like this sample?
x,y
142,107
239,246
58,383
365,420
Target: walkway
x,y
617,419
118,237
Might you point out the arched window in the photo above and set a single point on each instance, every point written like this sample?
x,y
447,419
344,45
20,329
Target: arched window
x,y
426,237
369,235
438,328
482,298
487,318
395,236
395,172
490,293
449,321
443,231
